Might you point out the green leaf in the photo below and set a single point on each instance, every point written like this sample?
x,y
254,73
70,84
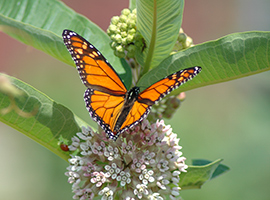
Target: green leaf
x,y
40,23
36,115
132,4
219,170
200,172
230,57
159,22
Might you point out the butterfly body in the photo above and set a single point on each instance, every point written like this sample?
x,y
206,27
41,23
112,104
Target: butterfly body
x,y
130,98
108,101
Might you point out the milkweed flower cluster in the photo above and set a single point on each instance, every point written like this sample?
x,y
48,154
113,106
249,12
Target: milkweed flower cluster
x,y
144,163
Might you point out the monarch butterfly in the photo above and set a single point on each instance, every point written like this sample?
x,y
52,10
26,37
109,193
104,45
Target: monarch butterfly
x,y
107,99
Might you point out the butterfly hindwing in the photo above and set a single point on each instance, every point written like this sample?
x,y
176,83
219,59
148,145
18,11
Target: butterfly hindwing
x,y
104,108
138,112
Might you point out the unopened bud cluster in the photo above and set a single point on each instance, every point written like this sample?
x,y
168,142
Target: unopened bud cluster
x,y
183,42
123,33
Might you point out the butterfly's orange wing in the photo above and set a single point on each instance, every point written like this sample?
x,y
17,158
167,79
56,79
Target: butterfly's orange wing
x,y
106,92
138,112
95,71
156,92
104,108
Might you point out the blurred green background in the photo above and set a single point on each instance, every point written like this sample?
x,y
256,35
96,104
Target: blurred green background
x,y
229,120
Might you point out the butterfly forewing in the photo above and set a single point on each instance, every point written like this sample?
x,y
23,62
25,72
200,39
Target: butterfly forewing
x,y
163,87
94,69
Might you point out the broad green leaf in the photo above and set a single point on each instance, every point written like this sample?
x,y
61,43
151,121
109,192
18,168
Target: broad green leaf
x,y
159,22
200,172
40,23
233,56
37,116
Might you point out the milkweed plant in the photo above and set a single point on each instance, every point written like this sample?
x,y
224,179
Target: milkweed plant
x,y
144,44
